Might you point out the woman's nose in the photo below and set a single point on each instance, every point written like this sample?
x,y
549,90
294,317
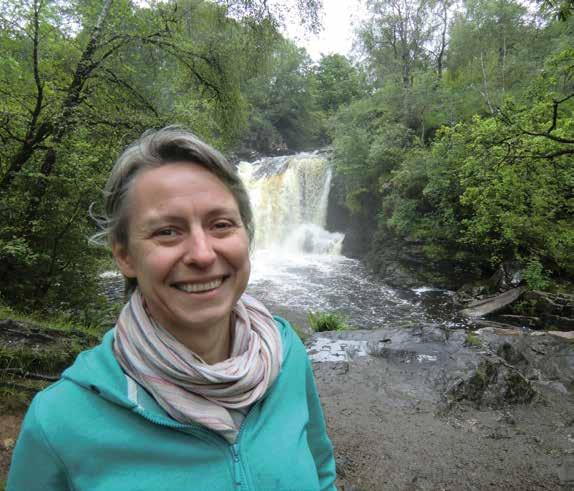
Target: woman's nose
x,y
199,249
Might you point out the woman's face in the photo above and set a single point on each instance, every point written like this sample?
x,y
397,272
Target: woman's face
x,y
187,247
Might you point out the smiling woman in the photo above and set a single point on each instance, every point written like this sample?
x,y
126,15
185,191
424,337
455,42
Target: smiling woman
x,y
197,384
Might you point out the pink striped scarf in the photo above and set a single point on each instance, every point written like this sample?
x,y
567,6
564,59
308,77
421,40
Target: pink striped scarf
x,y
187,388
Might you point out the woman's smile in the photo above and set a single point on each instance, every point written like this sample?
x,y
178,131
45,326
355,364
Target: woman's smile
x,y
195,287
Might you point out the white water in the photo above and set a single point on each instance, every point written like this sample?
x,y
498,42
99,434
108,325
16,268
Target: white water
x,y
289,196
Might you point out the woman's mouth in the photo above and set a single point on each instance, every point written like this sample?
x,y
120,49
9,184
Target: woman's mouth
x,y
199,287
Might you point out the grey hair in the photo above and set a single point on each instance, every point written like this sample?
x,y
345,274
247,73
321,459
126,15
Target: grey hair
x,y
154,149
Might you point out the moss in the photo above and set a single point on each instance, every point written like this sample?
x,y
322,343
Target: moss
x,y
519,391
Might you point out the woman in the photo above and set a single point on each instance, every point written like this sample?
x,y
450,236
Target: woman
x,y
197,386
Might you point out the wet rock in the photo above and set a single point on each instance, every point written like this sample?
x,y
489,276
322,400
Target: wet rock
x,y
489,305
511,355
555,310
560,304
493,384
563,334
522,320
508,275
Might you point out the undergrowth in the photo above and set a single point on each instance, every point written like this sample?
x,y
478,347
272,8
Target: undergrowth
x,y
327,321
93,319
472,340
35,348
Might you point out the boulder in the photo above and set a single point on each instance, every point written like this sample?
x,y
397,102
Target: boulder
x,y
493,384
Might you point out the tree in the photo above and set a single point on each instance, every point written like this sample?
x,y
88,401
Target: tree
x,y
337,83
79,80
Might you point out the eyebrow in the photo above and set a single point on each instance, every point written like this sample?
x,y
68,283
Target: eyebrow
x,y
158,219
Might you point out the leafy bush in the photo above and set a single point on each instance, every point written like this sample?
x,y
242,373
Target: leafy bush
x,y
535,275
327,321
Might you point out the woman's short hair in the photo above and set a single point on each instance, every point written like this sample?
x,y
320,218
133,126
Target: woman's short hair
x,y
154,149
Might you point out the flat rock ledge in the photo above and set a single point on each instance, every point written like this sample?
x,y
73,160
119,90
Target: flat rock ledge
x,y
496,368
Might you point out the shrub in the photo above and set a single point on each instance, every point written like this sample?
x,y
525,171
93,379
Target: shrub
x,y
472,340
327,321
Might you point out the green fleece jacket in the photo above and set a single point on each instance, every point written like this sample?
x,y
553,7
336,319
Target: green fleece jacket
x,y
98,430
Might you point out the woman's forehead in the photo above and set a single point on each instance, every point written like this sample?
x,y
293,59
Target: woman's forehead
x,y
177,188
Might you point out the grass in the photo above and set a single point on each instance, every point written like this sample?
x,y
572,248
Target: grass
x,y
327,321
49,343
472,340
93,319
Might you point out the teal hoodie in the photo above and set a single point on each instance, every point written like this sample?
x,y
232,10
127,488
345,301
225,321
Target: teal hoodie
x,y
98,430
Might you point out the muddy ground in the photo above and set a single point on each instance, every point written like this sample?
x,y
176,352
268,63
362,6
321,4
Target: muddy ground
x,y
393,427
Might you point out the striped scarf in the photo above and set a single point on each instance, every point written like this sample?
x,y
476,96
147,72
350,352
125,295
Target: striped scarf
x,y
189,390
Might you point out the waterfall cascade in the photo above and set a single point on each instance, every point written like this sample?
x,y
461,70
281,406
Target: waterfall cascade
x,y
289,197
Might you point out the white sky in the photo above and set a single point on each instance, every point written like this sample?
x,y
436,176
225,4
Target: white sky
x,y
339,18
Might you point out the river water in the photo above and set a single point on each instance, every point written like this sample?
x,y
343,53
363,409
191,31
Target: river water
x,y
295,284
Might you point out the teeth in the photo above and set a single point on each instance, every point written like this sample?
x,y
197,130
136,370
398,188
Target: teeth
x,y
199,287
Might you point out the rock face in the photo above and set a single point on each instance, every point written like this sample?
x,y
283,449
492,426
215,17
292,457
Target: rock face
x,y
495,382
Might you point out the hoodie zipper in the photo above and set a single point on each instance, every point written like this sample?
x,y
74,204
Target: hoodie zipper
x,y
239,474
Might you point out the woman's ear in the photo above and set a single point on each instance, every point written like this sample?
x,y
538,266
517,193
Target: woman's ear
x,y
123,260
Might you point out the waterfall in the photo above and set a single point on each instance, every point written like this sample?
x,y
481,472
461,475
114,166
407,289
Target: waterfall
x,y
289,196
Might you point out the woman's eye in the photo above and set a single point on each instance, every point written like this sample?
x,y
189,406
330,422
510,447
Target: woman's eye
x,y
166,232
222,225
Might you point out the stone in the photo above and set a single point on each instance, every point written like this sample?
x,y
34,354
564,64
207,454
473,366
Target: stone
x,y
493,384
8,443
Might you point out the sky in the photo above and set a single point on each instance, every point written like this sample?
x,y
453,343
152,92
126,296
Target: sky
x,y
339,18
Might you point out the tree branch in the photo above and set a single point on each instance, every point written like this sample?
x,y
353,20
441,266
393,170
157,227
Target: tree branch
x,y
29,375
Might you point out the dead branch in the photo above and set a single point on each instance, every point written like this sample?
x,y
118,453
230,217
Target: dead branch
x,y
29,375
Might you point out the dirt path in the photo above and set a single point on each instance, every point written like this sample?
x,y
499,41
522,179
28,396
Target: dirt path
x,y
9,428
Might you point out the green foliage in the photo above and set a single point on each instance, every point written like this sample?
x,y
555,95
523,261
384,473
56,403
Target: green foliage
x,y
327,321
535,275
337,83
464,151
472,340
282,108
74,94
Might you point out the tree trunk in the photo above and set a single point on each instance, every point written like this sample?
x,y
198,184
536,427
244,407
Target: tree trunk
x,y
66,122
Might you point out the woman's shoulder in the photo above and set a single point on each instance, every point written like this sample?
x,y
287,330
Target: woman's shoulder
x,y
292,343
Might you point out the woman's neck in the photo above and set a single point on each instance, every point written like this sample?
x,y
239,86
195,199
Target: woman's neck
x,y
212,344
